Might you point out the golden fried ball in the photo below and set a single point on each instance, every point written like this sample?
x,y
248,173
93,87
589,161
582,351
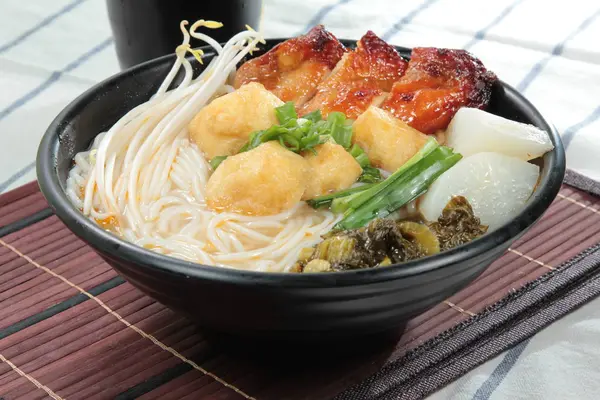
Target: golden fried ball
x,y
264,181
331,169
223,126
388,141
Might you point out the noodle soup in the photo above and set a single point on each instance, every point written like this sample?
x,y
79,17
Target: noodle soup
x,y
309,158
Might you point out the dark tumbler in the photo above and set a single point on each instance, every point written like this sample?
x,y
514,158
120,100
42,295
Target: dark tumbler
x,y
146,29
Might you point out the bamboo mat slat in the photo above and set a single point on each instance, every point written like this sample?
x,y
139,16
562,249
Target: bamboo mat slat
x,y
25,204
122,344
26,190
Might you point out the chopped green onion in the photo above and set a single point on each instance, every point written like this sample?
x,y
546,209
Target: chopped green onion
x,y
363,160
300,134
314,116
216,161
355,201
359,155
325,200
370,175
286,112
338,129
406,184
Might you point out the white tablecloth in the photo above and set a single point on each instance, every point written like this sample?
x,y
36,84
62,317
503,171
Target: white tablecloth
x,y
51,51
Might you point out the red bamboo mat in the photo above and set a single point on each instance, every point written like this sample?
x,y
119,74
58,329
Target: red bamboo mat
x,y
70,328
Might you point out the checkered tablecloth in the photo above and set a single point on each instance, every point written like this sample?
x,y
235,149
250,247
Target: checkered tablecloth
x,y
51,51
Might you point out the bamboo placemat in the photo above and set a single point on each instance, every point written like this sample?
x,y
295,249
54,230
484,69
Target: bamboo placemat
x,y
71,328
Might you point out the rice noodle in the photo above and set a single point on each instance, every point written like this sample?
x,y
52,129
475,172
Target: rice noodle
x,y
144,180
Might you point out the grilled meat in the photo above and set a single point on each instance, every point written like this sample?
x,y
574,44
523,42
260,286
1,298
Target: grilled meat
x,y
436,84
293,69
360,79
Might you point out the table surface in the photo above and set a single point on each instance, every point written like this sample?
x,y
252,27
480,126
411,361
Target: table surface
x,y
50,52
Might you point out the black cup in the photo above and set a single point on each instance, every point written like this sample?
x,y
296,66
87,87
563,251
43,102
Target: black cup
x,y
146,29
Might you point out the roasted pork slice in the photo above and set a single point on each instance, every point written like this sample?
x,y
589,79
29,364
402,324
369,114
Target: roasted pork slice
x,y
360,79
293,69
437,83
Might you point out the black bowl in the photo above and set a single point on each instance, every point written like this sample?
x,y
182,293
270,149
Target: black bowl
x,y
277,304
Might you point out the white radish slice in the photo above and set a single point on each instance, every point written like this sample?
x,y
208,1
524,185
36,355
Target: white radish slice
x,y
496,186
474,131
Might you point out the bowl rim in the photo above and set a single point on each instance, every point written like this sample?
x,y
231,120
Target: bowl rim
x,y
119,250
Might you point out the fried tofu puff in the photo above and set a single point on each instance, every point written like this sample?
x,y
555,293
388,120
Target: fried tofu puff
x,y
388,141
293,69
264,181
332,169
223,126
